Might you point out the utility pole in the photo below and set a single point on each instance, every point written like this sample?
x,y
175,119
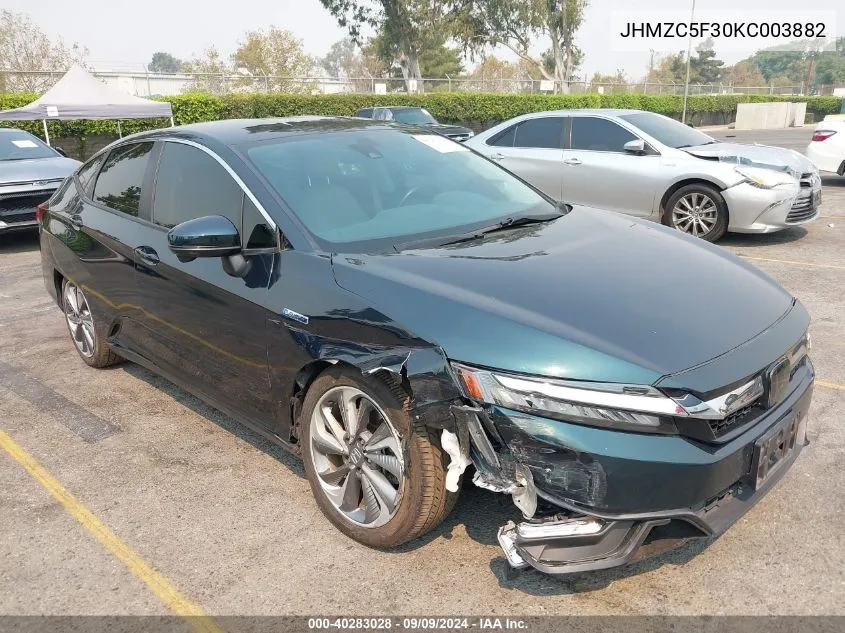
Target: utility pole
x,y
689,54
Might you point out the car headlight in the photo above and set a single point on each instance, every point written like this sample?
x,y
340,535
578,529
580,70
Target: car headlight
x,y
765,178
629,407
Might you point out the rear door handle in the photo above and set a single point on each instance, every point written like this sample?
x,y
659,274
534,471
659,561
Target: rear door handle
x,y
497,156
148,255
572,161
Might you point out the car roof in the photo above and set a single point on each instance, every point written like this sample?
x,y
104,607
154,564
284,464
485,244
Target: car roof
x,y
599,111
13,130
237,131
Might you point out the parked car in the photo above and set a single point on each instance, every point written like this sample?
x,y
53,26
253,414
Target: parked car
x,y
394,307
827,146
30,172
654,167
415,116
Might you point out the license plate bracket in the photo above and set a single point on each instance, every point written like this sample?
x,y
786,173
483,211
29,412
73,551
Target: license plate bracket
x,y
773,449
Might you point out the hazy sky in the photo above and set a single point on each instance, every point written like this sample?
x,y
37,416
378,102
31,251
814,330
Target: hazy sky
x,y
119,37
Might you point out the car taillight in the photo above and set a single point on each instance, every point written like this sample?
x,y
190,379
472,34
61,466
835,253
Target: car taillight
x,y
822,135
41,210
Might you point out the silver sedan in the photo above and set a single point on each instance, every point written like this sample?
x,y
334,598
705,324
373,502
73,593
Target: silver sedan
x,y
30,173
648,165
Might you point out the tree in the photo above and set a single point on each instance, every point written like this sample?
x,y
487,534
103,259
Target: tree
x,y
436,59
617,82
276,56
210,69
343,59
745,74
830,69
704,67
25,50
516,24
164,63
403,27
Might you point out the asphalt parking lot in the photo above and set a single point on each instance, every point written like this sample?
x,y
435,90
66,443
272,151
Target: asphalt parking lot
x,y
190,499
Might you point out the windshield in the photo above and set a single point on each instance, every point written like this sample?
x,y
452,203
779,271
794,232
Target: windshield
x,y
413,116
668,131
22,146
366,190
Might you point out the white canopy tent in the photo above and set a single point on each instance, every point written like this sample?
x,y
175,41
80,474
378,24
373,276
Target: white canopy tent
x,y
80,95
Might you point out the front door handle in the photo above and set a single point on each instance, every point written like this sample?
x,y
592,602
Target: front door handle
x,y
497,156
148,255
572,161
76,221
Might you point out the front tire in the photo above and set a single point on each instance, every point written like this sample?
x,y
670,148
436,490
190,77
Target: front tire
x,y
698,210
88,338
377,477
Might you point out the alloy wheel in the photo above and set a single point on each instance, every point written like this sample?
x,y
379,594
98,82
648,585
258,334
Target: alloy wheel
x,y
696,214
357,456
79,319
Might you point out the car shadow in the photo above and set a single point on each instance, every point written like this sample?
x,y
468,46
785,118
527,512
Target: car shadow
x,y
479,511
763,239
19,242
277,452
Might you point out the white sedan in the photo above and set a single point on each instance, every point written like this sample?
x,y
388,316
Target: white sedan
x,y
827,147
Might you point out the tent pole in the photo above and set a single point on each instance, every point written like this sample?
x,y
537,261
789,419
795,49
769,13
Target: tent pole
x,y
172,124
46,133
119,131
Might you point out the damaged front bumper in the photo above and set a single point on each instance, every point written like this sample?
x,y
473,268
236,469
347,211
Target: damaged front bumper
x,y
632,496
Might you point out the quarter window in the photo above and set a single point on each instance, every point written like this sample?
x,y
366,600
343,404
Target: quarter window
x,y
122,176
543,132
599,135
503,139
257,232
191,184
86,172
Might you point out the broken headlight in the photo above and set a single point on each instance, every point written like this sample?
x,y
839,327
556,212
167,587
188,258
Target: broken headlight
x,y
629,407
765,178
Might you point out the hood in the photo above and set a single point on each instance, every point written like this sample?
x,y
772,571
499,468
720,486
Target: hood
x,y
443,128
590,296
25,171
763,156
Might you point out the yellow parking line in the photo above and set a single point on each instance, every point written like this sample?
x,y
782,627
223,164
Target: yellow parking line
x,y
158,584
793,262
830,385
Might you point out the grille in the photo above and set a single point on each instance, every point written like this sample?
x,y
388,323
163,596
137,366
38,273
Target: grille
x,y
735,419
19,207
806,204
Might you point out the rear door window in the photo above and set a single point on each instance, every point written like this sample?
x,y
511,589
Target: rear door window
x,y
122,176
541,133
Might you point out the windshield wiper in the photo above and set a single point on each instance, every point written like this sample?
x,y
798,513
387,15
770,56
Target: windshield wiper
x,y
504,225
696,145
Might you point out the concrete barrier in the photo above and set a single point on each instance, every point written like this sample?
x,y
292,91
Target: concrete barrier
x,y
770,116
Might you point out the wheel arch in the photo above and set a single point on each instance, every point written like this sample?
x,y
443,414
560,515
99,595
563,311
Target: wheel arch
x,y
420,374
695,180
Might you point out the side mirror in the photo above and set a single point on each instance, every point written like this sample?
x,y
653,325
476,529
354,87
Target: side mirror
x,y
61,151
637,146
208,236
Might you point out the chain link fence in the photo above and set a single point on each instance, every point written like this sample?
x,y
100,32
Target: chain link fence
x,y
146,84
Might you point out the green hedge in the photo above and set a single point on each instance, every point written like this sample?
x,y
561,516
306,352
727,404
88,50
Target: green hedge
x,y
475,110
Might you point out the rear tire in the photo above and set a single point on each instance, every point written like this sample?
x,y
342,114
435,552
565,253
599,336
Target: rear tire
x,y
698,210
389,449
87,335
